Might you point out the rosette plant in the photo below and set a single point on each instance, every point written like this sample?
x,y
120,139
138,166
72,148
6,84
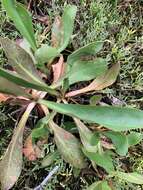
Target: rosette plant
x,y
42,75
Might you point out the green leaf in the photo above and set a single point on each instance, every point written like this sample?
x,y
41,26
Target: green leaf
x,y
131,177
86,70
119,140
134,138
10,88
41,129
63,28
69,147
49,159
101,82
21,61
11,163
103,160
115,118
95,99
20,81
21,19
46,53
100,185
24,44
85,52
86,136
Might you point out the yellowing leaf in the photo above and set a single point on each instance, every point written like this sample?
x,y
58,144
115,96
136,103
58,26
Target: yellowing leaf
x,y
11,164
101,82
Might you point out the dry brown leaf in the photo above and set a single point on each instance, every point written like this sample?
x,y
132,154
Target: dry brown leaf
x,y
56,32
58,69
44,19
11,163
100,82
33,151
28,149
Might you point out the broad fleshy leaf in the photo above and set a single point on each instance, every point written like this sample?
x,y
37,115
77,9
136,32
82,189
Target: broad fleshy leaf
x,y
21,19
103,160
131,177
134,138
49,159
85,53
119,140
63,28
86,136
24,44
100,185
115,118
11,164
41,129
22,82
101,82
46,53
86,70
69,147
8,87
21,61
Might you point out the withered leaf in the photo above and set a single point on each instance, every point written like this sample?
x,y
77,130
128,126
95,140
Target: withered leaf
x,y
101,82
69,147
11,163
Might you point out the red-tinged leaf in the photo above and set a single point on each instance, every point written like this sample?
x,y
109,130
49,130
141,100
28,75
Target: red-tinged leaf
x,y
3,97
58,69
69,147
28,150
11,163
100,82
